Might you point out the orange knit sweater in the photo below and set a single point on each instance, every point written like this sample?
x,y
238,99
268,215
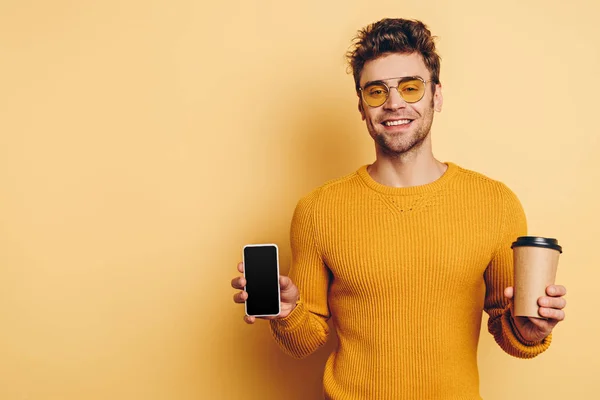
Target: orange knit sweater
x,y
405,273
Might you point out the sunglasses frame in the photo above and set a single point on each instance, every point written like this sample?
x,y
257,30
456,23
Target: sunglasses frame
x,y
389,88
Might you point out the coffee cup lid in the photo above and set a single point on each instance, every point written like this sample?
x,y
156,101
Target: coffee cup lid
x,y
536,241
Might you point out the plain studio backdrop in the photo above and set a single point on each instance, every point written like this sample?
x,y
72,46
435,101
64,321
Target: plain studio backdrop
x,y
143,143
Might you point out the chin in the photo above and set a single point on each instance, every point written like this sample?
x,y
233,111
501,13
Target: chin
x,y
398,147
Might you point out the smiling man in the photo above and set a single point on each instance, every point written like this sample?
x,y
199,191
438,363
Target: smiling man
x,y
405,254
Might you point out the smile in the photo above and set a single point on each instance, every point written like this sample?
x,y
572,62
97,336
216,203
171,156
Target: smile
x,y
399,122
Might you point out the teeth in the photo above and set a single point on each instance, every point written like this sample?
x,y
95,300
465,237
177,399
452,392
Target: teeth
x,y
400,122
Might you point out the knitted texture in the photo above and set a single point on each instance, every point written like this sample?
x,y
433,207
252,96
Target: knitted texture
x,y
405,273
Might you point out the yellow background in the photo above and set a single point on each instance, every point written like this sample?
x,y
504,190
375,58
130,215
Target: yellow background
x,y
143,143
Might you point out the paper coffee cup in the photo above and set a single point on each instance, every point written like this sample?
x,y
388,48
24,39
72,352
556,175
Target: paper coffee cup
x,y
535,264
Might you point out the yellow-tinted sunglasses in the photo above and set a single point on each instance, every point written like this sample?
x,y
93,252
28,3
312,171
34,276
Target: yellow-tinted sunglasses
x,y
410,88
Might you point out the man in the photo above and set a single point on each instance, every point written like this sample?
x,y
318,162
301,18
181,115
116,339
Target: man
x,y
404,253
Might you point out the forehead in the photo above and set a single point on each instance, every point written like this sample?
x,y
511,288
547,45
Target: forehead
x,y
392,66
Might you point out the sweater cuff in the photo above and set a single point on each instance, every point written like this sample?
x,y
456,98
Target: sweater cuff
x,y
524,348
294,320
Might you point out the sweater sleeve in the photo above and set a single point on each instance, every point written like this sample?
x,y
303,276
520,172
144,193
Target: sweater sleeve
x,y
499,275
305,329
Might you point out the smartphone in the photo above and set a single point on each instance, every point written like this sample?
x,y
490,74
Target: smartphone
x,y
261,270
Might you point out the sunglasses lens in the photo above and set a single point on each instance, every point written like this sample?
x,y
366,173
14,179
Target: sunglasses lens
x,y
412,90
375,95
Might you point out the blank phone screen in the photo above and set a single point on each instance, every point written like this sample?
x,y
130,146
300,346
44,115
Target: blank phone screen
x,y
262,280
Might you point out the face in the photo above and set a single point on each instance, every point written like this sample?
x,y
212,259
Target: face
x,y
397,126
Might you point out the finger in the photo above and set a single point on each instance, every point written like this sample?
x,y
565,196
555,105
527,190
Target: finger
x,y
240,297
552,302
289,291
556,290
284,282
240,267
249,320
552,314
238,283
509,292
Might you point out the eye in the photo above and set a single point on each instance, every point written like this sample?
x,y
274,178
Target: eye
x,y
377,90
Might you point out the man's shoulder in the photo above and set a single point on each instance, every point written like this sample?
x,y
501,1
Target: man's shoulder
x,y
334,188
484,188
475,178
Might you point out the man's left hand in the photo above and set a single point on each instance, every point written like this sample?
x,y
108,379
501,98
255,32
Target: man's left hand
x,y
551,307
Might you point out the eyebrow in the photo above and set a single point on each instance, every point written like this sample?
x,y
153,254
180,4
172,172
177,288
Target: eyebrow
x,y
400,78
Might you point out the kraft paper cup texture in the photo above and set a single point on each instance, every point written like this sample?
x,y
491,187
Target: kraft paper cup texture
x,y
534,270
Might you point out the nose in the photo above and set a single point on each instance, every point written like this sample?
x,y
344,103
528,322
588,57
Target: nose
x,y
394,100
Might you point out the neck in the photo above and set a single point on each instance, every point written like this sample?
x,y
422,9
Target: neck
x,y
414,168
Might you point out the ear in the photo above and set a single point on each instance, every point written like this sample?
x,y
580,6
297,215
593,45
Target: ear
x,y
361,109
438,98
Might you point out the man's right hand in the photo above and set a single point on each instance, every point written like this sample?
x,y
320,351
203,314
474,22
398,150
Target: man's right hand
x,y
289,295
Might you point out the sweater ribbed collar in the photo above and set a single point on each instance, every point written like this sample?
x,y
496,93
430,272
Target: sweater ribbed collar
x,y
412,190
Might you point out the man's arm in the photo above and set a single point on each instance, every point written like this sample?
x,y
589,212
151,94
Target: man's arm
x,y
305,329
499,275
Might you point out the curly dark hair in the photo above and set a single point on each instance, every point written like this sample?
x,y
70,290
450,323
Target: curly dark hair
x,y
393,35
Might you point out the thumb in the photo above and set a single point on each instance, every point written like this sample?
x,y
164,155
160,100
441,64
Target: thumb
x,y
289,291
509,292
285,283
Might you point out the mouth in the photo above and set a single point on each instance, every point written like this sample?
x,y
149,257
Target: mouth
x,y
391,123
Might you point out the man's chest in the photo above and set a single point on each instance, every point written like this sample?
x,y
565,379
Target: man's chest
x,y
439,246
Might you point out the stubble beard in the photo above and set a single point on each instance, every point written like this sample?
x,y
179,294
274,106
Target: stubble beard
x,y
397,145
